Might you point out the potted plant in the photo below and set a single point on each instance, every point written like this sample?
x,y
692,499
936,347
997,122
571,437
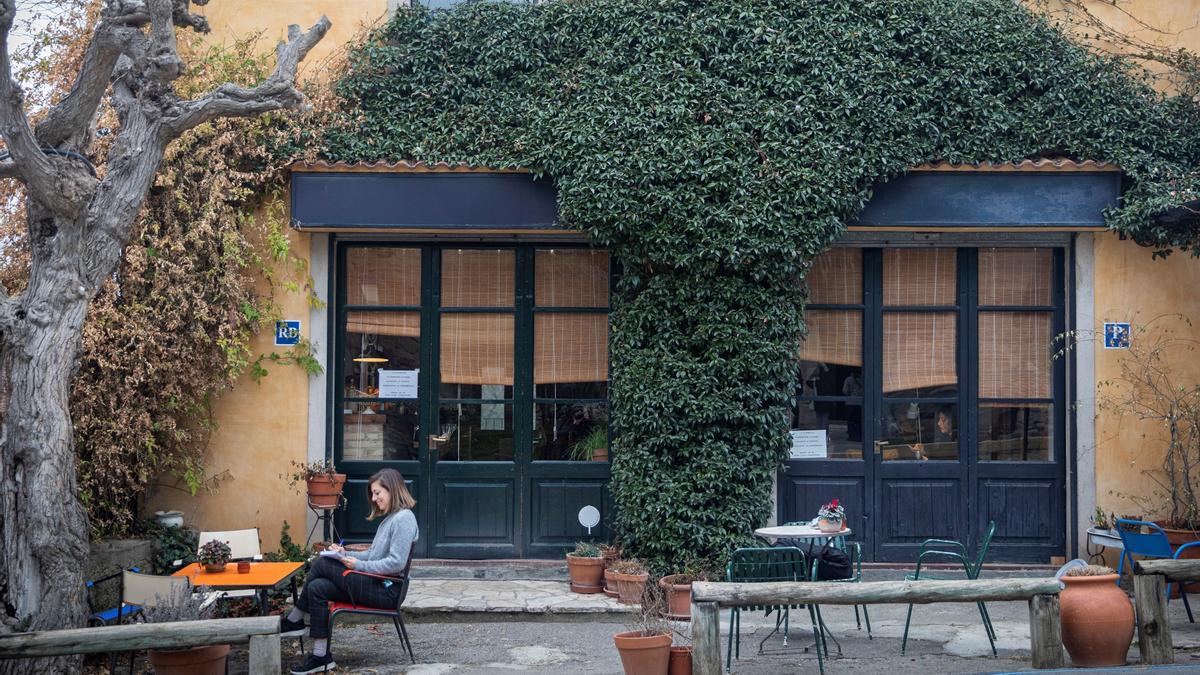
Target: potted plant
x,y
214,555
185,606
593,447
611,555
680,661
645,648
1096,617
631,577
831,517
586,566
322,480
677,591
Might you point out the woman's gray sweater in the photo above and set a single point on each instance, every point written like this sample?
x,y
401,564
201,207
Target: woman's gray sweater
x,y
392,545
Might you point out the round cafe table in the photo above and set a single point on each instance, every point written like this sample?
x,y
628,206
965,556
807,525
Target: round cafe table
x,y
799,532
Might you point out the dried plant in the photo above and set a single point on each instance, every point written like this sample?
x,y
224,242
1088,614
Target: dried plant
x,y
651,617
181,605
1089,571
629,566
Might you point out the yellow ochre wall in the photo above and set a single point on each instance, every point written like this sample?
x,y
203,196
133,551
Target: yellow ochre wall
x,y
264,427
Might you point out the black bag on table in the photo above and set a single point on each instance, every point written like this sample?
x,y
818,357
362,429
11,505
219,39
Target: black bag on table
x,y
832,563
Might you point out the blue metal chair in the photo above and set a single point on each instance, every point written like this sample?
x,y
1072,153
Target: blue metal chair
x,y
756,565
1151,543
959,554
103,617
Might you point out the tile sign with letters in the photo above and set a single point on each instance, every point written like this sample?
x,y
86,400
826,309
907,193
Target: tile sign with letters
x,y
287,333
1116,335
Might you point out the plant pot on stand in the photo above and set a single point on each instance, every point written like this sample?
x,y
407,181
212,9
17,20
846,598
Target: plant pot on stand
x,y
325,490
1097,620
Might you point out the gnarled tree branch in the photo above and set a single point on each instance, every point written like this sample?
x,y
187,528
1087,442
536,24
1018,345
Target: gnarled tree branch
x,y
277,91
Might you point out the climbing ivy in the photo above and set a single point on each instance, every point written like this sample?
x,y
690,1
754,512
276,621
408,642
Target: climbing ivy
x,y
716,148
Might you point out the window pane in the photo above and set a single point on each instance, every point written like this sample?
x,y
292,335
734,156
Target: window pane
x,y
474,432
379,431
570,349
472,278
1014,354
920,276
571,431
836,277
838,428
920,431
383,276
831,353
1015,433
379,341
919,354
1015,276
571,278
477,349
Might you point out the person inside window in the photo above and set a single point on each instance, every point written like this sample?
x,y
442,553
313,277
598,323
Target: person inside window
x,y
388,555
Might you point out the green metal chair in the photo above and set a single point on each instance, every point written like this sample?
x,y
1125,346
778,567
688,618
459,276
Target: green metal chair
x,y
854,550
972,569
757,565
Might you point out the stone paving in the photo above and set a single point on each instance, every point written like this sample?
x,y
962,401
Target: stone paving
x,y
512,596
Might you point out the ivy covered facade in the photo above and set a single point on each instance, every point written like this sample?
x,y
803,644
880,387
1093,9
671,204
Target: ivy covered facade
x,y
570,251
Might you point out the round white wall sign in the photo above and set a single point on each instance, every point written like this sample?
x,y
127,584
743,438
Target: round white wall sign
x,y
589,517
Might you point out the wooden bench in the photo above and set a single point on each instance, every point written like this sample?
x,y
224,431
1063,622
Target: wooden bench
x,y
262,632
1150,578
709,597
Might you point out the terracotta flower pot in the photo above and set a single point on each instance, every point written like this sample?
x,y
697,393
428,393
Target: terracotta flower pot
x,y
586,573
641,655
208,660
681,661
630,587
1097,621
324,490
677,589
214,568
610,584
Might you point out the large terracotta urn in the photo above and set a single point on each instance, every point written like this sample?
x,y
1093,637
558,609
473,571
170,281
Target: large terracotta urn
x,y
1097,621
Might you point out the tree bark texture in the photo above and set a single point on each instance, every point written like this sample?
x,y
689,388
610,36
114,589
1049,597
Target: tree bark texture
x,y
78,225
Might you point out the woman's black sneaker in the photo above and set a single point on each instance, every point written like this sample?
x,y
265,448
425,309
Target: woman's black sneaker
x,y
314,664
292,628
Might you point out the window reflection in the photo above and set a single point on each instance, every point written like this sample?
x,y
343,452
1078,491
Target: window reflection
x,y
1015,432
571,431
477,432
920,431
380,431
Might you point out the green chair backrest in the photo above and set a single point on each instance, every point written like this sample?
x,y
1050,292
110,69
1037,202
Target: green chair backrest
x,y
781,563
983,546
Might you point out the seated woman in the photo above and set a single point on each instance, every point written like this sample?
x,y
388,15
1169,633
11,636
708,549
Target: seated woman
x,y
388,555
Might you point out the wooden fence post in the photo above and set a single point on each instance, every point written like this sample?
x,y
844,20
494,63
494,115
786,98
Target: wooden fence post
x,y
265,658
1045,632
1154,631
706,638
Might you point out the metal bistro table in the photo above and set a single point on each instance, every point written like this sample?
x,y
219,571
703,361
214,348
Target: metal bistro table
x,y
803,532
262,577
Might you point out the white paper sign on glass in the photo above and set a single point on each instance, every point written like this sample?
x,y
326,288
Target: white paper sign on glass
x,y
809,444
398,383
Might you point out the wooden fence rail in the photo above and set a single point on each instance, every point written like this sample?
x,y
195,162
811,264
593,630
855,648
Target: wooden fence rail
x,y
709,597
1150,600
262,632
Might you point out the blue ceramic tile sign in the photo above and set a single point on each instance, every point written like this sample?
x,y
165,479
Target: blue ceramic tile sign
x,y
287,333
1116,335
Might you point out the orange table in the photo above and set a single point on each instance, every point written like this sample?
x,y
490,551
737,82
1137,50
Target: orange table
x,y
263,576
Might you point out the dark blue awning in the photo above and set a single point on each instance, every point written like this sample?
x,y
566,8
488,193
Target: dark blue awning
x,y
442,200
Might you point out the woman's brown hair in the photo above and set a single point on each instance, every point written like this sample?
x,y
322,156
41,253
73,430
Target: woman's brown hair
x,y
393,482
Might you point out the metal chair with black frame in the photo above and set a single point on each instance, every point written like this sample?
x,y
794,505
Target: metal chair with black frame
x,y
396,614
1151,544
103,617
841,544
759,565
972,570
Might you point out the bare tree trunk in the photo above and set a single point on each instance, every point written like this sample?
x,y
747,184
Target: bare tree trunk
x,y
43,526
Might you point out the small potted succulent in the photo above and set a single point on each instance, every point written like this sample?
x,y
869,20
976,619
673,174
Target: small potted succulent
x,y
214,555
831,517
586,566
323,482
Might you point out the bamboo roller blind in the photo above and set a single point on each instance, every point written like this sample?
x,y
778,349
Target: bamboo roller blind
x,y
477,348
919,348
